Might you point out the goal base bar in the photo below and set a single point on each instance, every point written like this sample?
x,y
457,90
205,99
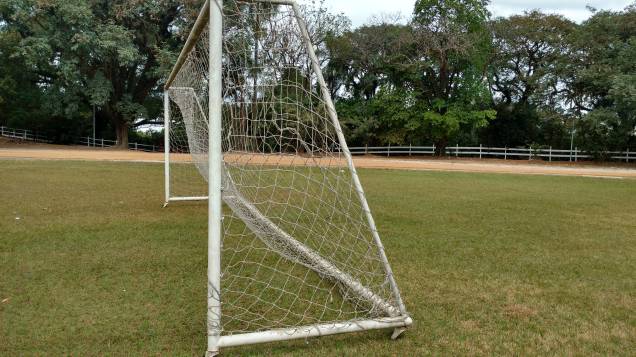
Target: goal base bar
x,y
186,199
313,331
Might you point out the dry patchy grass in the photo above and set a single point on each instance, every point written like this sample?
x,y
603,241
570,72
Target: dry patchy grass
x,y
90,264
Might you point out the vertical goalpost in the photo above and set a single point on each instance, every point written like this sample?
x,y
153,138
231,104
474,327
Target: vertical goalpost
x,y
293,250
215,175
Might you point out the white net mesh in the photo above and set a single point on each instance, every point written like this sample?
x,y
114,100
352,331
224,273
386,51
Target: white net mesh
x,y
297,247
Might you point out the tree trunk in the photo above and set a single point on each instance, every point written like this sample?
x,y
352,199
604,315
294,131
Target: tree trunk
x,y
117,121
122,135
440,147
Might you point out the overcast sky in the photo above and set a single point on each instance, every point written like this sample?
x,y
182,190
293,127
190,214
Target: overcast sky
x,y
359,11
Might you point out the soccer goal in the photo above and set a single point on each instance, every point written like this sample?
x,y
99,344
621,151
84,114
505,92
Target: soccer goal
x,y
293,251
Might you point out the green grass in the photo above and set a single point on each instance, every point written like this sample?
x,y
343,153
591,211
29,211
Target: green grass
x,y
487,264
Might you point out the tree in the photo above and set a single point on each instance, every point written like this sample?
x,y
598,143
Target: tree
x,y
454,47
368,71
371,57
525,78
112,54
601,81
19,96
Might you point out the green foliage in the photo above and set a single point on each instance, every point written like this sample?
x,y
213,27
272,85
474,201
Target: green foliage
x,y
454,37
448,124
601,84
20,97
148,137
112,54
430,81
600,131
371,57
452,15
417,83
526,76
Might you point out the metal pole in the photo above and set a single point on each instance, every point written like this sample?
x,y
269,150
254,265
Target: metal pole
x,y
572,141
215,169
94,125
166,145
627,156
550,153
354,174
480,146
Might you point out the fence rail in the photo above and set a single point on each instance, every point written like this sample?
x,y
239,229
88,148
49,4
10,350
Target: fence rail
x,y
481,151
105,143
23,134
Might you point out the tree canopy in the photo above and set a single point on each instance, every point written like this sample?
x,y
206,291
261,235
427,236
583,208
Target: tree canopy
x,y
111,54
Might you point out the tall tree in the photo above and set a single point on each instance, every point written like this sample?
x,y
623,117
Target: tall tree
x,y
526,78
454,47
601,80
19,95
112,54
368,69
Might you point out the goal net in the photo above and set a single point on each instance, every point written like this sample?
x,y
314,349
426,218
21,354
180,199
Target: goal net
x,y
299,252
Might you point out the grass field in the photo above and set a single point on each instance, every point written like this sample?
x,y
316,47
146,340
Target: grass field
x,y
90,264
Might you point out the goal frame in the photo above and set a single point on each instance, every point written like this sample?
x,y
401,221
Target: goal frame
x,y
212,15
169,197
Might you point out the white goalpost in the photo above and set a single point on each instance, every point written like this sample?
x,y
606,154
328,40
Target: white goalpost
x,y
293,250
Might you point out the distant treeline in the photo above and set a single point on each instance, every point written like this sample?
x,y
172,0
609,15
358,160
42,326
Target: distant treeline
x,y
454,75
450,74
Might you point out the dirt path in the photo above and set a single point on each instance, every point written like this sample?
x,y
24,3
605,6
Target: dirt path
x,y
53,152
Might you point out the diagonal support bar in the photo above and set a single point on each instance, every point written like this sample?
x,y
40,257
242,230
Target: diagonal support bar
x,y
331,109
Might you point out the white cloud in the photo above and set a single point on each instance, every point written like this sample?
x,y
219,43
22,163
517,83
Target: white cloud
x,y
573,9
359,11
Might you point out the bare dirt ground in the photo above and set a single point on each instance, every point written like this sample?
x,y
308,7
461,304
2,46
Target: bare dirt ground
x,y
12,150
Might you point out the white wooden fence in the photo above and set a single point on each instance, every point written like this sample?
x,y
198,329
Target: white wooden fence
x,y
105,143
481,151
23,134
